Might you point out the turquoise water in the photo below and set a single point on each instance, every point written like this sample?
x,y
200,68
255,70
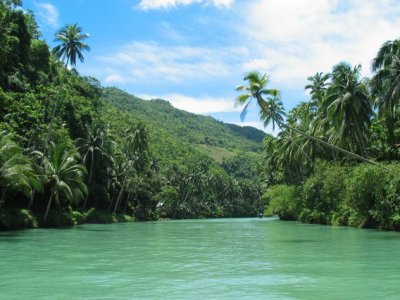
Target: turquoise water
x,y
200,259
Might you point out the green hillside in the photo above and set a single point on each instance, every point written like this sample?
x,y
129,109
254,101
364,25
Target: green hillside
x,y
189,127
72,151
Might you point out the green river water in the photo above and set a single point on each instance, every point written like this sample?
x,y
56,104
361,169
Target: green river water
x,y
200,259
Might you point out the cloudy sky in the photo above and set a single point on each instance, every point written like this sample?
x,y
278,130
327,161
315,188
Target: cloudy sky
x,y
195,52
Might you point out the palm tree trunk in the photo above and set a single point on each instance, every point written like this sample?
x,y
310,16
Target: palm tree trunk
x,y
89,182
48,207
126,203
112,201
3,196
333,147
120,195
31,199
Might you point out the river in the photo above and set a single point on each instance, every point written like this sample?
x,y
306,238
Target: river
x,y
200,259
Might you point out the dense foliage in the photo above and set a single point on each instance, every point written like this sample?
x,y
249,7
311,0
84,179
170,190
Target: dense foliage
x,y
72,151
312,167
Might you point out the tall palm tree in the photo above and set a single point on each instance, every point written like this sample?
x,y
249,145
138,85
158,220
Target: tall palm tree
x,y
71,45
64,175
93,148
256,89
348,106
135,156
16,170
386,84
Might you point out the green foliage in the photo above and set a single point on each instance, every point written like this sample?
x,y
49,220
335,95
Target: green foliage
x,y
361,196
71,44
284,201
60,217
16,219
191,128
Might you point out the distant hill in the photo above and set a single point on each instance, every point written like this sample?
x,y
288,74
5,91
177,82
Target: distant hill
x,y
218,138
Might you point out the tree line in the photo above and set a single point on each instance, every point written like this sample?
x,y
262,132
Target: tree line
x,y
334,160
68,157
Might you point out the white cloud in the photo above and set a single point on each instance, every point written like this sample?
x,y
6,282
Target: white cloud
x,y
144,61
48,14
166,4
197,105
295,39
114,78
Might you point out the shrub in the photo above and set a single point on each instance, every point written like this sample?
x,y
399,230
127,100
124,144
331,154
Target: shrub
x,y
17,219
60,217
284,201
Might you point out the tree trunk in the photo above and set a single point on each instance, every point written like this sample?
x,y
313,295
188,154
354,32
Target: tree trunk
x,y
48,207
89,182
333,147
126,203
3,196
120,195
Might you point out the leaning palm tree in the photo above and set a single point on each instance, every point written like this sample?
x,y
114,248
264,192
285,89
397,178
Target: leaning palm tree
x,y
71,44
64,175
272,109
16,170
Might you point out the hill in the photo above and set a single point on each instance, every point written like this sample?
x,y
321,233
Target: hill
x,y
218,138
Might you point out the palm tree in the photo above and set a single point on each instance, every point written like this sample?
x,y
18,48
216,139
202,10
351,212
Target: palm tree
x,y
16,170
135,156
72,45
256,89
64,175
94,148
317,86
386,84
348,106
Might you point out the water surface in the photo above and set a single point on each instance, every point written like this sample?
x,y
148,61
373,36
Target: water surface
x,y
200,259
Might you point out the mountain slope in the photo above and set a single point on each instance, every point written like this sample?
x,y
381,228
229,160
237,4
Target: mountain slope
x,y
194,129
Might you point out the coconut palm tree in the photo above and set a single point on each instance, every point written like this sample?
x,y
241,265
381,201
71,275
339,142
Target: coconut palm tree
x,y
386,85
16,170
135,156
72,44
317,86
64,175
94,148
348,106
256,88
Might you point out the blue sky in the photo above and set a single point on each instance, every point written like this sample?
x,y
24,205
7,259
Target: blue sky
x,y
194,53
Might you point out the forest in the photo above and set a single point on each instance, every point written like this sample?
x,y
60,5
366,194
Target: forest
x,y
72,151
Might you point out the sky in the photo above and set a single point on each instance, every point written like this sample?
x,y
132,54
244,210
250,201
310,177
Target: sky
x,y
194,53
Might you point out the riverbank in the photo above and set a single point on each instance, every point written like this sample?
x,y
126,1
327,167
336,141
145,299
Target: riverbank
x,y
364,196
17,219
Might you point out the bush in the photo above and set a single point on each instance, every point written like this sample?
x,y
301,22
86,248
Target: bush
x,y
100,217
17,219
314,217
60,217
284,201
80,218
323,190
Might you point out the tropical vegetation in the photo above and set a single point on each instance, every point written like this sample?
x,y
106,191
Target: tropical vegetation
x,y
72,151
334,160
